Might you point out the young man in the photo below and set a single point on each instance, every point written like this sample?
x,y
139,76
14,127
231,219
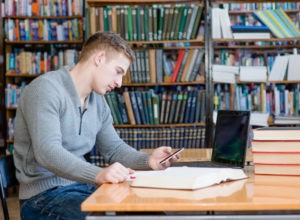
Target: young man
x,y
61,116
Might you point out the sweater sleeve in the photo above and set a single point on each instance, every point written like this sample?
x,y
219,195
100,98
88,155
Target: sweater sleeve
x,y
114,149
40,107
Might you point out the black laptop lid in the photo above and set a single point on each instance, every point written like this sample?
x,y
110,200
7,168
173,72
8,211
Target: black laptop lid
x,y
231,137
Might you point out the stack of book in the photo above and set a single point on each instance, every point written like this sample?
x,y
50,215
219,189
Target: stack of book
x,y
250,32
276,151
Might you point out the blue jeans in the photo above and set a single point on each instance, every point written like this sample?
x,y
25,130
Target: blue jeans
x,y
61,202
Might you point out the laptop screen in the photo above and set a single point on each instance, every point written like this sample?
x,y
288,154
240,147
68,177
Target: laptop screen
x,y
231,137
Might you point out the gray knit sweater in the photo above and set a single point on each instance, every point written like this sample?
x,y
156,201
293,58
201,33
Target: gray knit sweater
x,y
53,133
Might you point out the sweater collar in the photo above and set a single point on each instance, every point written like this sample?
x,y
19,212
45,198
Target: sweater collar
x,y
70,87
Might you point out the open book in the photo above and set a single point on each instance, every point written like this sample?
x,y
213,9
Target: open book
x,y
186,177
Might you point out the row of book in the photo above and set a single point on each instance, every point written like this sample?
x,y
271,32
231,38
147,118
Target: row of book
x,y
148,23
148,107
43,7
45,29
275,21
275,100
13,93
285,67
262,6
157,66
21,61
281,67
278,22
150,138
244,57
276,151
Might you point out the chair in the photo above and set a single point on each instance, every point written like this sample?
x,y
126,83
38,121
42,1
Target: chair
x,y
7,179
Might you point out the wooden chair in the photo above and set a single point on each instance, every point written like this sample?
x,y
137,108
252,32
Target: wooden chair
x,y
7,179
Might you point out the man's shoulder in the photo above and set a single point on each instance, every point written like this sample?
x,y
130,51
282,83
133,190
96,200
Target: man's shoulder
x,y
48,80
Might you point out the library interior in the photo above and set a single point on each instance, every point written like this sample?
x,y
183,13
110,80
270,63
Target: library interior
x,y
217,80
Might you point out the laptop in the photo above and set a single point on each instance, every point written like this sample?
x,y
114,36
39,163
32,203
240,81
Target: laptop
x,y
230,141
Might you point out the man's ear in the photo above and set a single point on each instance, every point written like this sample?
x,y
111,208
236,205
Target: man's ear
x,y
99,58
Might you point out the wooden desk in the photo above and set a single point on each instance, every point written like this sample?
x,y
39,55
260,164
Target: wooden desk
x,y
192,154
257,193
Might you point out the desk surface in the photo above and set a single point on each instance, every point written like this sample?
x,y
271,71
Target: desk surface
x,y
258,192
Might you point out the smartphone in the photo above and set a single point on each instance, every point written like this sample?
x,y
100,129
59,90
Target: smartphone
x,y
170,156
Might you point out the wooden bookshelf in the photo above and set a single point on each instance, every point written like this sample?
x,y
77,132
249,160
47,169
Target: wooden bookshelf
x,y
261,50
94,3
38,46
143,46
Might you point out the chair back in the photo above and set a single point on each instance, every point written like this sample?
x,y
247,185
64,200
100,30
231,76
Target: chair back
x,y
7,179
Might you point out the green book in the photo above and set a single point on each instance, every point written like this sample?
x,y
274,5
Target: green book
x,y
130,23
169,22
174,22
155,103
197,23
114,99
113,113
182,22
149,105
179,19
109,14
138,23
150,24
146,23
134,26
165,26
142,24
160,11
187,22
126,33
154,21
105,19
119,22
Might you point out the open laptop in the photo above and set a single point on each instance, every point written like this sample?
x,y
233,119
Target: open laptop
x,y
230,141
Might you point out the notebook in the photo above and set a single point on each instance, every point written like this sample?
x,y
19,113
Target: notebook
x,y
230,141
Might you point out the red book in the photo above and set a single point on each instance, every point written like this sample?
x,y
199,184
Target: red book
x,y
177,66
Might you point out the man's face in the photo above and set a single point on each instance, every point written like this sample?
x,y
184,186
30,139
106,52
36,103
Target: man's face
x,y
110,73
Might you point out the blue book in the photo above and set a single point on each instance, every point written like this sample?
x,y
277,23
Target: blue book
x,y
135,107
248,28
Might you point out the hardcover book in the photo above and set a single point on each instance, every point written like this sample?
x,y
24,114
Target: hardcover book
x,y
188,178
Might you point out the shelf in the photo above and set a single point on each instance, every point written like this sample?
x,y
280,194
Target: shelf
x,y
159,125
236,12
197,40
44,42
263,47
286,82
11,108
250,1
255,40
44,17
138,2
9,141
25,75
165,84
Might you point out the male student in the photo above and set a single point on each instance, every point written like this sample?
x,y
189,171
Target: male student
x,y
61,116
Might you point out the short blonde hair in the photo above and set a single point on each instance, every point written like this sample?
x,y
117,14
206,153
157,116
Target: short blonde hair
x,y
110,42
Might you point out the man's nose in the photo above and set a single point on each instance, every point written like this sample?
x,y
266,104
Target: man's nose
x,y
118,82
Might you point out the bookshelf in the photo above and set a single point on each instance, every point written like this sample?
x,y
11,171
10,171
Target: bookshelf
x,y
156,43
39,37
257,95
2,116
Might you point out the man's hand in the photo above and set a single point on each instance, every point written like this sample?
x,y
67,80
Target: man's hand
x,y
115,173
159,154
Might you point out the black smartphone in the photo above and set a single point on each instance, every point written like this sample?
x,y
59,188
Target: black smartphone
x,y
171,155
